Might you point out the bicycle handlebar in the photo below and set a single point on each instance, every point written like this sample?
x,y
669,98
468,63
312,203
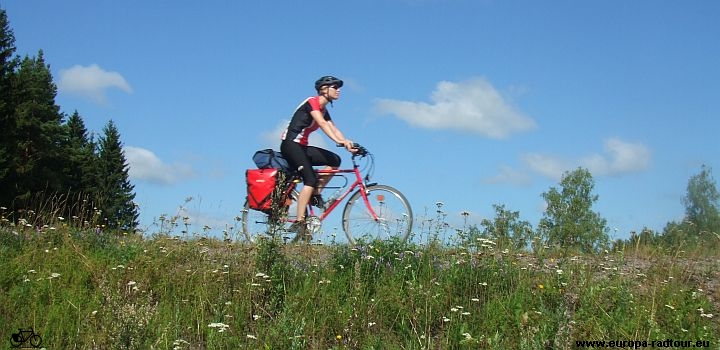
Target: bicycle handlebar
x,y
361,151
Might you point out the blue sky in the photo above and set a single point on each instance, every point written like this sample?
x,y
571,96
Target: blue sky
x,y
466,102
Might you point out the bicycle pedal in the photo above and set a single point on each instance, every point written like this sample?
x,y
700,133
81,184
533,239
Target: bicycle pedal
x,y
317,201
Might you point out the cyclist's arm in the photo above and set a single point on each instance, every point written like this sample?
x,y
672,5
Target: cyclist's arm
x,y
329,128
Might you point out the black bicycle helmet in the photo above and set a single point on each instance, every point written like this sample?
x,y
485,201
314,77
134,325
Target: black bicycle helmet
x,y
327,80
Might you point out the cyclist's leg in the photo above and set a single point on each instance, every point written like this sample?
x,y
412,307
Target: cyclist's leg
x,y
319,156
303,200
298,158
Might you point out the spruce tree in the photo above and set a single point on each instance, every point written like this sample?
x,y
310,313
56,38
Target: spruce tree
x,y
8,64
115,193
81,170
36,128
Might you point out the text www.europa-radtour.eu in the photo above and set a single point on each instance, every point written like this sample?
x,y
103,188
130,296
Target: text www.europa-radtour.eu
x,y
636,344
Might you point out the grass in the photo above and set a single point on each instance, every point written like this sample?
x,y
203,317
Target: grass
x,y
82,289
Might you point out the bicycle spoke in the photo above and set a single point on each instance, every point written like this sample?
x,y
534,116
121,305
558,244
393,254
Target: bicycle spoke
x,y
394,215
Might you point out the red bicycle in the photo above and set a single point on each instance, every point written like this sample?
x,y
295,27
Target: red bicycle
x,y
372,211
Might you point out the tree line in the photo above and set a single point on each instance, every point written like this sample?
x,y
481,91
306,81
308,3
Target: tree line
x,y
570,224
48,161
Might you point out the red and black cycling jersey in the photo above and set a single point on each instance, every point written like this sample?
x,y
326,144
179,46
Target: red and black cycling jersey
x,y
302,123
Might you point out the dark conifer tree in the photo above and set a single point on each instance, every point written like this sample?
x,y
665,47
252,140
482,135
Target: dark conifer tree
x,y
115,196
8,64
81,170
37,158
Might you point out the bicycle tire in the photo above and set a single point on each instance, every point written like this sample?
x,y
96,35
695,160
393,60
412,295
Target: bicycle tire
x,y
255,223
395,217
14,343
35,340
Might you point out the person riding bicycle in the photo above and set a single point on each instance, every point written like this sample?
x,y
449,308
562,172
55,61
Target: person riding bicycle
x,y
309,116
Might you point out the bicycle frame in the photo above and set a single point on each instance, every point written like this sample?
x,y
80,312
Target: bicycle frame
x,y
25,334
358,183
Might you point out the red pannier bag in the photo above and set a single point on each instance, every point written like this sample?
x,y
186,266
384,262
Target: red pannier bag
x,y
260,186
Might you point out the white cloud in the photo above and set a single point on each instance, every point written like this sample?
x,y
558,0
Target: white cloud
x,y
508,175
144,165
620,157
547,165
626,157
474,106
91,82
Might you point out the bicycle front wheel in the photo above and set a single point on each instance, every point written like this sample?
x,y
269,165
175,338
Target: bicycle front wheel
x,y
394,215
35,341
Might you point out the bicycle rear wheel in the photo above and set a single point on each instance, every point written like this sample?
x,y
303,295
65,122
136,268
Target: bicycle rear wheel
x,y
256,223
15,342
394,215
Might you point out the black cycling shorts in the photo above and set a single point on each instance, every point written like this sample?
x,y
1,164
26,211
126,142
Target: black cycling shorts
x,y
306,157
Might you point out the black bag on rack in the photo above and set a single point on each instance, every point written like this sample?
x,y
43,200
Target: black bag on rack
x,y
269,158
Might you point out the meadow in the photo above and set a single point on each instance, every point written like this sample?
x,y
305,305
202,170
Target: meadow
x,y
82,288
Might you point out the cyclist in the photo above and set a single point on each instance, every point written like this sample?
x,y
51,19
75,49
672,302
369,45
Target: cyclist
x,y
309,116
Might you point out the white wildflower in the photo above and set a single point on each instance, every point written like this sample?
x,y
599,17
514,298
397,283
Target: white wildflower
x,y
220,326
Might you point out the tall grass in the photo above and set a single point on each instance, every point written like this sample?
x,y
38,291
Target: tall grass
x,y
80,288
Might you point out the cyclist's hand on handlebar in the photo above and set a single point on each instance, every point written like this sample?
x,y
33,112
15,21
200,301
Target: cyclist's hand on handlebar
x,y
355,148
349,145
